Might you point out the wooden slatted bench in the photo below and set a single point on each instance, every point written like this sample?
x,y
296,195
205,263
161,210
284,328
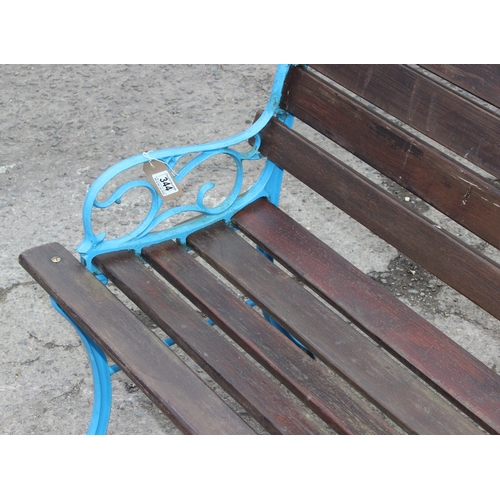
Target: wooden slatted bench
x,y
332,350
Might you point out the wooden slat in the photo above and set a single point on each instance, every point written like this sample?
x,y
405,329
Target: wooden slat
x,y
370,306
330,397
392,386
454,190
457,123
170,384
444,255
263,398
482,80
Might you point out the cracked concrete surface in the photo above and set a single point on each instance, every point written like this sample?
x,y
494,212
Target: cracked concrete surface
x,y
61,126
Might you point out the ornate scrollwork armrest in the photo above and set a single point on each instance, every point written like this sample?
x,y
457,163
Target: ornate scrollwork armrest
x,y
267,184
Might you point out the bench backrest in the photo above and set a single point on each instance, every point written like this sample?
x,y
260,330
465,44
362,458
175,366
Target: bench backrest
x,y
326,97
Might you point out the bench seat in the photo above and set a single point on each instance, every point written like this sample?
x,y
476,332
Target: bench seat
x,y
354,386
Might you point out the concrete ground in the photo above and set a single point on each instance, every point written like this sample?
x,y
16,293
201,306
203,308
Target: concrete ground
x,y
61,126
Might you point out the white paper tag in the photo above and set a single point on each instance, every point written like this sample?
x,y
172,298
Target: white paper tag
x,y
165,183
162,179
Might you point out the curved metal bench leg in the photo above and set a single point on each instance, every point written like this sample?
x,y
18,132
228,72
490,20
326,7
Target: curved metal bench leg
x,y
101,374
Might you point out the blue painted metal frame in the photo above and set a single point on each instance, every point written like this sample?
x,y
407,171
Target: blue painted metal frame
x,y
101,374
267,185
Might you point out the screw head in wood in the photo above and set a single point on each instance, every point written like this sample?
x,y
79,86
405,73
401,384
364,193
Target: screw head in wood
x,y
55,259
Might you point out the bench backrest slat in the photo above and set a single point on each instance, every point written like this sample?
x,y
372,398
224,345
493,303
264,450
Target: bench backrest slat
x,y
482,80
455,122
456,191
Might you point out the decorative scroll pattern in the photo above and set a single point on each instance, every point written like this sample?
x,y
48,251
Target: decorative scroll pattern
x,y
268,184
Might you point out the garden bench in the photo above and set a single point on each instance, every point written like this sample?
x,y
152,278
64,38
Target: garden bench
x,y
304,341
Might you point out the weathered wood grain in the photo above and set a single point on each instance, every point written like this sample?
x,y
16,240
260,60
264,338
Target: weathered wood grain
x,y
260,395
482,80
170,384
328,396
458,192
448,118
468,271
391,386
405,333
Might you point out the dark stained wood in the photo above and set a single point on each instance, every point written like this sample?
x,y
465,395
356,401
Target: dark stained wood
x,y
263,398
434,110
328,396
482,80
444,255
388,384
374,309
170,384
451,188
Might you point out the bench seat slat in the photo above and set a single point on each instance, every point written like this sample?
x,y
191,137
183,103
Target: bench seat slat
x,y
375,310
262,397
472,274
455,122
397,390
448,186
169,383
482,80
328,396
